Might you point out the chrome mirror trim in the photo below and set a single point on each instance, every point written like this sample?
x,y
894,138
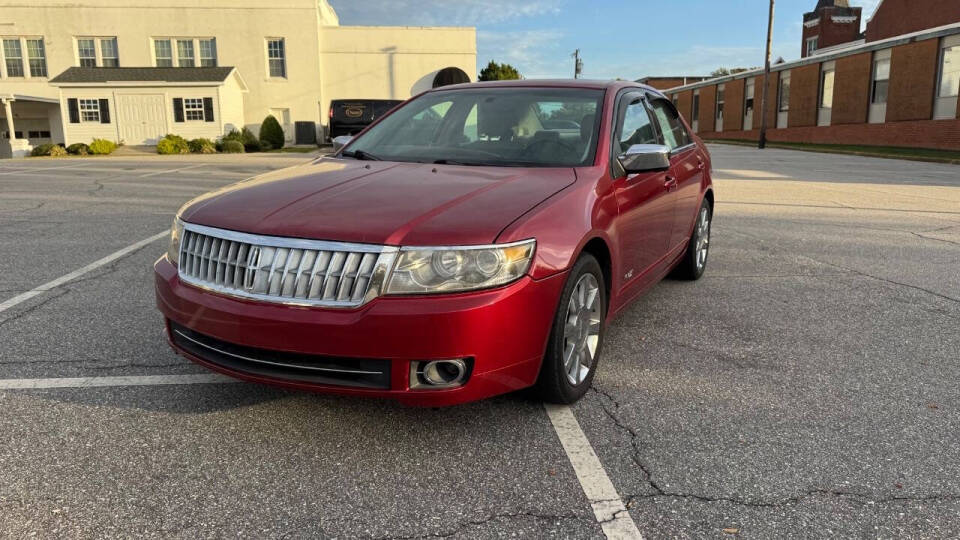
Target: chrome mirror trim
x,y
645,158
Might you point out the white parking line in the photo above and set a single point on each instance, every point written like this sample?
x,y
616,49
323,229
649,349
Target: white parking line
x,y
32,169
172,170
136,380
607,506
50,285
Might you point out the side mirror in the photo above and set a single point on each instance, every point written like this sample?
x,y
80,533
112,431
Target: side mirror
x,y
645,158
340,142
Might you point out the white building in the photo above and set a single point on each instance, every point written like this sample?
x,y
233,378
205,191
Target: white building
x,y
71,70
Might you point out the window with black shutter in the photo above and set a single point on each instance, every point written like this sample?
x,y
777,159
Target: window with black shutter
x,y
177,109
104,111
208,109
74,110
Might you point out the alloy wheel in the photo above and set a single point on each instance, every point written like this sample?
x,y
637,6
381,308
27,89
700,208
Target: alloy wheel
x,y
703,237
581,332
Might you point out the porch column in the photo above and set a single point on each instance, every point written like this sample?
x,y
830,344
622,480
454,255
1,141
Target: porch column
x,y
8,111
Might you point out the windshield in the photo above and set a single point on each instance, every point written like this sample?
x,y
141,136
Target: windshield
x,y
521,127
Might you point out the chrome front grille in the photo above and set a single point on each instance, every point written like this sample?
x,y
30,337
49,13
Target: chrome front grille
x,y
283,270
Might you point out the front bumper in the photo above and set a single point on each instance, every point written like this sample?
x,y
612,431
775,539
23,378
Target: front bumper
x,y
504,331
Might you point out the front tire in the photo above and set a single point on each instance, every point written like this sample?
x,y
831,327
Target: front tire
x,y
694,261
576,337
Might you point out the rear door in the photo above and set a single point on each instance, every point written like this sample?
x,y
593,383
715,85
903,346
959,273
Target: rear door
x,y
686,166
645,200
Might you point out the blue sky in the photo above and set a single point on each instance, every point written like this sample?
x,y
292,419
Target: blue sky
x,y
616,38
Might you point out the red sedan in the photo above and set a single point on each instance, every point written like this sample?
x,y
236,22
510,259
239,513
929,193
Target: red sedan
x,y
475,241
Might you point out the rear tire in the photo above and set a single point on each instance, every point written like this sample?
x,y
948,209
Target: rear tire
x,y
576,338
694,260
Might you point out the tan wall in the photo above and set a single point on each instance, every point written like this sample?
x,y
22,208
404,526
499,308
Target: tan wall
x,y
323,61
240,33
390,62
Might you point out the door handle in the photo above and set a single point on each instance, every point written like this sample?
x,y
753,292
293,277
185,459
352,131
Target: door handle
x,y
670,183
700,163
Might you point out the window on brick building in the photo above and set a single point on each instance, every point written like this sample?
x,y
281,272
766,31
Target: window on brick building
x,y
826,88
948,84
812,44
881,81
783,95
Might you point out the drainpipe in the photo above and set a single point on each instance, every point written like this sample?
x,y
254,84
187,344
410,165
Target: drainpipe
x,y
8,111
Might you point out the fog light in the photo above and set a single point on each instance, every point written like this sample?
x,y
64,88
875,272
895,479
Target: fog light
x,y
437,374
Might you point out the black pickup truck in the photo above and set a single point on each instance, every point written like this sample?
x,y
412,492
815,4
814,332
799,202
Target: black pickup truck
x,y
350,116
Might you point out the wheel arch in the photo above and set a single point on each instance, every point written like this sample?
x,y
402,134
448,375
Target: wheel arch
x,y
597,247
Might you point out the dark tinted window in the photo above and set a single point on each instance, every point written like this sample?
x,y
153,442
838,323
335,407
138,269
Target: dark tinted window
x,y
636,127
674,134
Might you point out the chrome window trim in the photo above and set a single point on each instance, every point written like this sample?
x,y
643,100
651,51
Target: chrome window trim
x,y
378,279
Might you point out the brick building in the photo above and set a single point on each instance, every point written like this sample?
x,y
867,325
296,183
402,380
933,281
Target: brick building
x,y
831,23
885,88
662,83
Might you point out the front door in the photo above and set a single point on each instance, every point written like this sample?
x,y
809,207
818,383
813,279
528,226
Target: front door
x,y
645,200
141,118
686,166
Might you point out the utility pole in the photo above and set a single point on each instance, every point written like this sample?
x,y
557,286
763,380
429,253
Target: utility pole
x,y
766,78
577,64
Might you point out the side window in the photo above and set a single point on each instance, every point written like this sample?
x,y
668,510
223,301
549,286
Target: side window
x,y
674,134
636,127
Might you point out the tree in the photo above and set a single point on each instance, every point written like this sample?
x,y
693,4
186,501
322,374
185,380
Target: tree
x,y
499,72
271,132
723,72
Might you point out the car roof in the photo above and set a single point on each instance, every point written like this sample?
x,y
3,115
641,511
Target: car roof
x,y
615,85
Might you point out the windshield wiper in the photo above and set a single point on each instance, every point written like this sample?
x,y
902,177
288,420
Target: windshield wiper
x,y
360,154
458,162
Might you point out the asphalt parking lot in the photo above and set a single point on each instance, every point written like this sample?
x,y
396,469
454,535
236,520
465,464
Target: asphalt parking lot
x,y
807,386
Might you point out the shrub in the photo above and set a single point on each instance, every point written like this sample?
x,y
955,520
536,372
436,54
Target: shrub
x,y
78,149
233,135
232,147
201,146
42,150
250,141
271,132
265,145
172,144
58,151
245,137
102,147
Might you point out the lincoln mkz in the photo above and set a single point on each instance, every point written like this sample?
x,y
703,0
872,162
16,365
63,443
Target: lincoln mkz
x,y
474,241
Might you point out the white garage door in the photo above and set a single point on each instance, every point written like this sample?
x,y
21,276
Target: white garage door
x,y
141,118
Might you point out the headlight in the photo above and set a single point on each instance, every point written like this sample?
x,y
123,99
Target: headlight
x,y
451,269
176,234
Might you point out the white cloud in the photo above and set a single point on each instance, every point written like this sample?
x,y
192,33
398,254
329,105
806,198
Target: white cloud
x,y
440,12
535,53
869,6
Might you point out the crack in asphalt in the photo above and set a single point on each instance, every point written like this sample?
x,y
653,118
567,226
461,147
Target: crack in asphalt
x,y
493,517
60,293
858,272
660,492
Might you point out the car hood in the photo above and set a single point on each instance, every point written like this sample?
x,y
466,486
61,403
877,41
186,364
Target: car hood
x,y
380,202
